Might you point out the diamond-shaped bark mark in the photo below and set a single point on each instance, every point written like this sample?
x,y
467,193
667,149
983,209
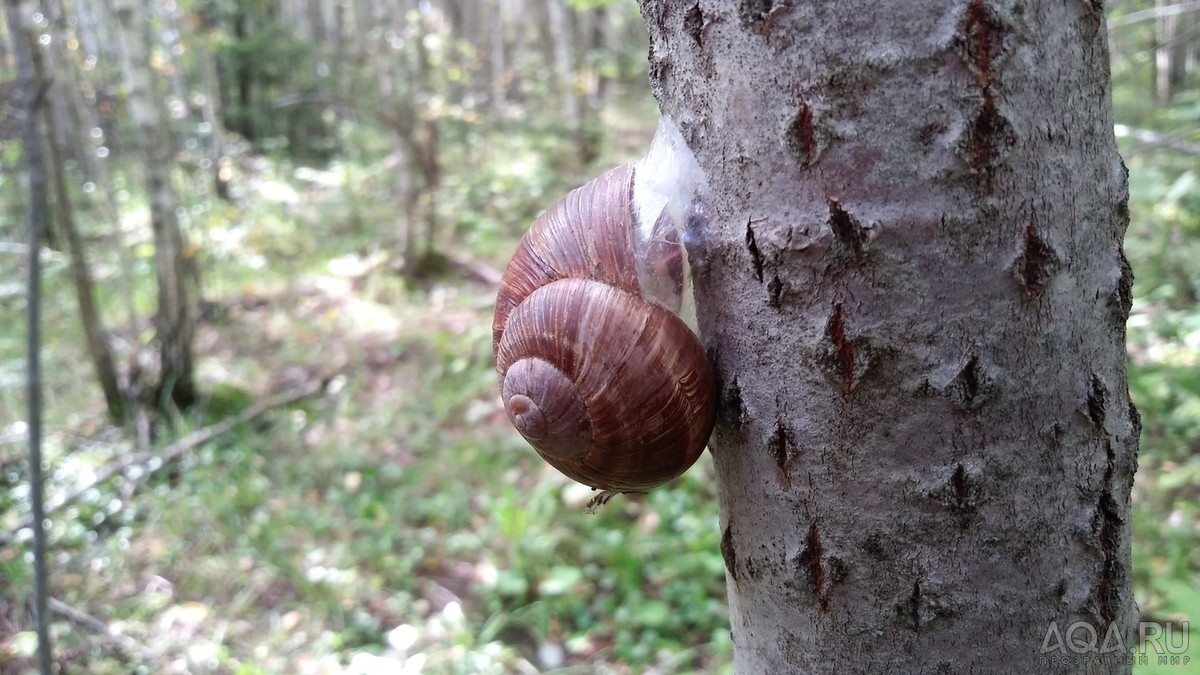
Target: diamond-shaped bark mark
x,y
1135,421
809,564
958,482
755,256
780,446
1112,573
1097,401
733,410
729,553
775,292
1038,261
755,12
983,36
848,230
971,387
1107,525
693,23
799,137
1120,300
660,68
989,138
843,347
914,605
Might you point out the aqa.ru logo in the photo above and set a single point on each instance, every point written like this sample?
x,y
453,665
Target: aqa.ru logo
x,y
1169,642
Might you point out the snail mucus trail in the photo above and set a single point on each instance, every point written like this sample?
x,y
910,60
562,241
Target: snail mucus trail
x,y
598,367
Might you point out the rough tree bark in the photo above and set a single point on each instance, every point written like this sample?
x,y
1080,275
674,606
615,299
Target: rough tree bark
x,y
915,297
174,322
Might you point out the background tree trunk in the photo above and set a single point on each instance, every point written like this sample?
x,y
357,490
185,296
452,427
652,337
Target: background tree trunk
x,y
174,321
81,274
50,163
915,297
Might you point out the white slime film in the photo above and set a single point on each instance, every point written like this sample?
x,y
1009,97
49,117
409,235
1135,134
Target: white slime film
x,y
668,186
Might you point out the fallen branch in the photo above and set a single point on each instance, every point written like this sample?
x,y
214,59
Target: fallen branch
x,y
474,268
1153,14
1156,139
127,646
182,446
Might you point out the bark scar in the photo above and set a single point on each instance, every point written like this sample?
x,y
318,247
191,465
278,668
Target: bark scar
x,y
971,387
728,552
693,23
809,563
1107,526
732,406
848,231
780,446
843,347
1097,402
775,292
959,482
800,138
990,136
1038,261
914,603
1121,297
752,247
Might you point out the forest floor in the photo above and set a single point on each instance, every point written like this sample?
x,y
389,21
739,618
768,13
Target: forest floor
x,y
392,521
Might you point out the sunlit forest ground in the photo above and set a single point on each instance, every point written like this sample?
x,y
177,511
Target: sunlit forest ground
x,y
393,522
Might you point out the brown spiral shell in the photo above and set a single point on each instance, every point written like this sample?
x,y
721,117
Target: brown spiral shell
x,y
611,389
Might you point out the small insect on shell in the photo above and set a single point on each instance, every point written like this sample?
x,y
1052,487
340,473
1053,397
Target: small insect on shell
x,y
597,371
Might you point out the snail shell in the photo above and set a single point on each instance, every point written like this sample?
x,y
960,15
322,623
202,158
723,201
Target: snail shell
x,y
611,389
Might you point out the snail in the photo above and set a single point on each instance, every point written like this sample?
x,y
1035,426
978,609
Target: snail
x,y
599,370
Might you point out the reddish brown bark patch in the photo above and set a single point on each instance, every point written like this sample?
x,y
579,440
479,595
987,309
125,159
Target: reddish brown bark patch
x,y
990,137
843,348
809,564
800,138
984,34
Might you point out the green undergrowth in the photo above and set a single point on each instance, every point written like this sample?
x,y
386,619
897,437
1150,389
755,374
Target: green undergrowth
x,y
395,523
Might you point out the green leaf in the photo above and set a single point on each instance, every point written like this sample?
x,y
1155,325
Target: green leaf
x,y
560,580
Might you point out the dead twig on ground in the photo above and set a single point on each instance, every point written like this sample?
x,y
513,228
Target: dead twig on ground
x,y
128,648
181,447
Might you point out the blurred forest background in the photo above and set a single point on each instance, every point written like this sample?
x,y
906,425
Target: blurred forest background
x,y
308,202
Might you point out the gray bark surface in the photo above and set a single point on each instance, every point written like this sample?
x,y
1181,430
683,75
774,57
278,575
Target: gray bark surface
x,y
174,322
914,292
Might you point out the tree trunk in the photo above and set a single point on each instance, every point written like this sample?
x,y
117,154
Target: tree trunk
x,y
497,70
81,275
174,321
19,18
914,292
561,36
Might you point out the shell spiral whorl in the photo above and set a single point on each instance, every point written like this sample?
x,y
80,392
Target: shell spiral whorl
x,y
611,389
